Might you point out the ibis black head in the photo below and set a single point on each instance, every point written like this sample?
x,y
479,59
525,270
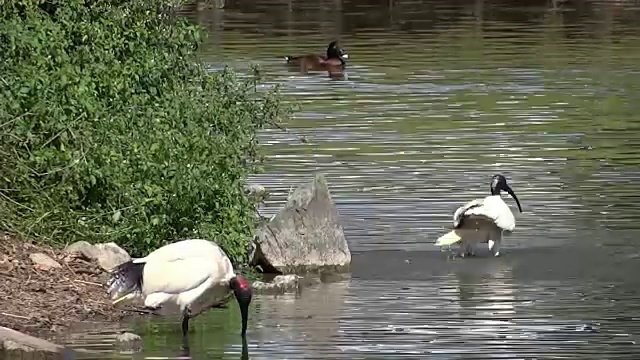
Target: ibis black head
x,y
499,183
243,292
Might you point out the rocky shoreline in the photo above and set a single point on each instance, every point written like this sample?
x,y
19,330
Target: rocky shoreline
x,y
45,291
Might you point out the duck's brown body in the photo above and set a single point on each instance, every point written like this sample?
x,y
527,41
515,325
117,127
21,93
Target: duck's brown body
x,y
333,61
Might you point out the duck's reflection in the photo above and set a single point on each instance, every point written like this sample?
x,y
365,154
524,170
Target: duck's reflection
x,y
338,75
333,74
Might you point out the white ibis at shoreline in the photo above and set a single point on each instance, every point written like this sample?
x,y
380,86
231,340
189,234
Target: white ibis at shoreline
x,y
193,275
482,220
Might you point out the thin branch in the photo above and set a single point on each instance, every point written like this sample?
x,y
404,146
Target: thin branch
x,y
38,220
73,163
15,202
60,132
15,316
15,119
139,311
88,282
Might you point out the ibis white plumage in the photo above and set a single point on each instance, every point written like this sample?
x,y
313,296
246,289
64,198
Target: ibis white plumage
x,y
193,275
483,220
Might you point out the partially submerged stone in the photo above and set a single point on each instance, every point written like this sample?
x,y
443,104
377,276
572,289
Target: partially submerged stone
x,y
44,262
281,284
127,337
108,255
256,189
12,340
305,235
17,345
128,341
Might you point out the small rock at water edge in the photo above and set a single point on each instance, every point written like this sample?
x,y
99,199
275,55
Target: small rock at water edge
x,y
108,255
129,342
15,341
128,337
281,284
256,189
44,262
305,235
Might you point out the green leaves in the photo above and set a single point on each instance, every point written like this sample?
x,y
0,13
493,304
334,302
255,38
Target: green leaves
x,y
111,128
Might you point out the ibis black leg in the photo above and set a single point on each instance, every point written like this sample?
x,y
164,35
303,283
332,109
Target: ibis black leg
x,y
186,314
466,249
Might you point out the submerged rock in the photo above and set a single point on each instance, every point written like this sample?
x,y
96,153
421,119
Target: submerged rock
x,y
108,255
128,341
17,345
44,262
127,337
15,341
305,235
281,284
256,189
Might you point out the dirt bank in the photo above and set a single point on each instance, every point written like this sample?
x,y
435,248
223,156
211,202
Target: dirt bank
x,y
45,303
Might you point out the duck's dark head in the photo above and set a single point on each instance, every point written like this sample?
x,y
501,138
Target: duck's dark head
x,y
243,292
335,52
499,183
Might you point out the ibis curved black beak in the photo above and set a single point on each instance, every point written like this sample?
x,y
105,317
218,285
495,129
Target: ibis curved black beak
x,y
513,195
243,301
243,292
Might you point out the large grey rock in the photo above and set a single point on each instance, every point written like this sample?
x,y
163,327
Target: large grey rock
x,y
12,340
305,236
108,255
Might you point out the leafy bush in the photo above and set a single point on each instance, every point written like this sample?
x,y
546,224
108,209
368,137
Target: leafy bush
x,y
111,130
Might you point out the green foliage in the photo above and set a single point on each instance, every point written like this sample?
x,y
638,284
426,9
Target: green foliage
x,y
111,130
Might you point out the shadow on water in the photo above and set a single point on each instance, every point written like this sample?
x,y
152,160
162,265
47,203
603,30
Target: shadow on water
x,y
440,95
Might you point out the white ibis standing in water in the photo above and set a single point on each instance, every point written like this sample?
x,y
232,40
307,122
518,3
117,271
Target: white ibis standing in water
x,y
482,220
193,275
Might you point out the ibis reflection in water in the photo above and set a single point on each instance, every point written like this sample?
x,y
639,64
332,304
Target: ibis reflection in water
x,y
191,275
482,221
185,353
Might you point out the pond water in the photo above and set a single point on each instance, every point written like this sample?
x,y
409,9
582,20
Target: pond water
x,y
437,97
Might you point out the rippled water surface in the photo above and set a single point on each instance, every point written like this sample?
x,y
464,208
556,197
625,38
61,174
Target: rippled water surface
x,y
437,97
